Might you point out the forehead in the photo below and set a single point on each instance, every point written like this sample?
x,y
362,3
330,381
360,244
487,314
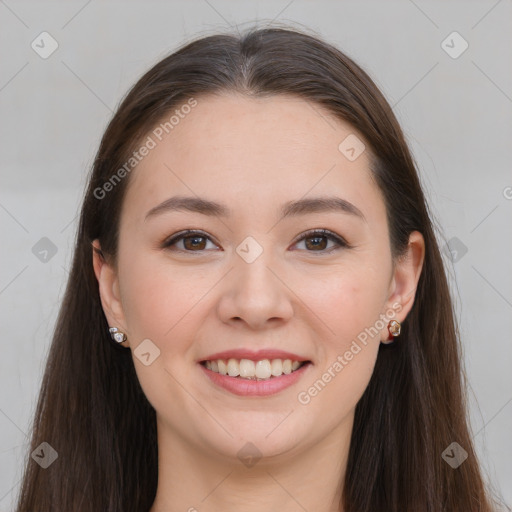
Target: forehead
x,y
250,151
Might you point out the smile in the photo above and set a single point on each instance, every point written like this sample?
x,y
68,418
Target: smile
x,y
246,377
255,370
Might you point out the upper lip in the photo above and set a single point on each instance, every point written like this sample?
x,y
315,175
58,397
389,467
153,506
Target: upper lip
x,y
254,355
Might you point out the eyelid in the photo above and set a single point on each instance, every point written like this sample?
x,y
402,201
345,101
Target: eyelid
x,y
321,232
325,233
176,237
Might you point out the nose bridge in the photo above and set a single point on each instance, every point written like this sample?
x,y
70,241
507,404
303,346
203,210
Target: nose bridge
x,y
252,268
255,294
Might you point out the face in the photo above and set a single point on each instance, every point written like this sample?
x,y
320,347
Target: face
x,y
254,280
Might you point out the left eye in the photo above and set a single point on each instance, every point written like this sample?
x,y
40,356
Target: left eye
x,y
195,241
319,238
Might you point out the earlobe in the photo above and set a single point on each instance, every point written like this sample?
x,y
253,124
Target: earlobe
x,y
108,288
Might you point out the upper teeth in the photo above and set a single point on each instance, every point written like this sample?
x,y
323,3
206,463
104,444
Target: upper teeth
x,y
248,369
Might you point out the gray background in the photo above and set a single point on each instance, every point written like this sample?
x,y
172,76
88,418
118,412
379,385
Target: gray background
x,y
456,114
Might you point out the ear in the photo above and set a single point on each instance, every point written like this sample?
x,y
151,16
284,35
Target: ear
x,y
402,289
108,283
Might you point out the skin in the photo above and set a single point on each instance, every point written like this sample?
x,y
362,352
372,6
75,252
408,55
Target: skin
x,y
254,155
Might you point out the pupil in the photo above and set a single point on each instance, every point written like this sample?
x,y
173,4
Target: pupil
x,y
194,243
317,238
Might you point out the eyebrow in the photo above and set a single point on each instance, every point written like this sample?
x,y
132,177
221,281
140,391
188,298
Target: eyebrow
x,y
289,209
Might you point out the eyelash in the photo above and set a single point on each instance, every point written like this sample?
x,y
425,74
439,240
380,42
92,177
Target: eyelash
x,y
315,233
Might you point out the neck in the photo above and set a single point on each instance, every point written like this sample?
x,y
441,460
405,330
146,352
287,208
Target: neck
x,y
190,480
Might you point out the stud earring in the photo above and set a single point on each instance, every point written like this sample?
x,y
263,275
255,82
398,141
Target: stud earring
x,y
117,335
394,328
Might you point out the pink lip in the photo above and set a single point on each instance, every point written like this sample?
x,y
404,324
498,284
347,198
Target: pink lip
x,y
254,355
245,387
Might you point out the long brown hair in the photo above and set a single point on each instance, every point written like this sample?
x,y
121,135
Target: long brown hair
x,y
91,408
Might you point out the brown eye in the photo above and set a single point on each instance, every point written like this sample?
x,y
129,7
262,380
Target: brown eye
x,y
317,241
193,241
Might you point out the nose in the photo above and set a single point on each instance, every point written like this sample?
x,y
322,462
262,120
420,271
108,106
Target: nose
x,y
256,295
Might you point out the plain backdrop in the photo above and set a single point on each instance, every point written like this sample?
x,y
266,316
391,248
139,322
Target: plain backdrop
x,y
454,104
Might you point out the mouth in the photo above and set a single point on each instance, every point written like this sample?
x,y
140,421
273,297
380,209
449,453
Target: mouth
x,y
248,369
257,378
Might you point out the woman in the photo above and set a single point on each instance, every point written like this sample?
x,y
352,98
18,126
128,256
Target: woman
x,y
257,316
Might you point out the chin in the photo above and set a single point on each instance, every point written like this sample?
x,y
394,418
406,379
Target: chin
x,y
261,438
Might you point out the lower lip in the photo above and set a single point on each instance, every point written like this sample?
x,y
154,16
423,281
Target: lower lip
x,y
246,387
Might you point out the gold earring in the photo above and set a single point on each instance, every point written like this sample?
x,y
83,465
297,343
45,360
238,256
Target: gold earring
x,y
394,328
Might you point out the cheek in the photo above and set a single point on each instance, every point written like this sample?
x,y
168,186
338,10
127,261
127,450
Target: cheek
x,y
350,306
338,386
348,301
163,301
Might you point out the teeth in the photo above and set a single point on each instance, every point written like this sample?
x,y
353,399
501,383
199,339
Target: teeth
x,y
277,367
248,369
233,368
263,369
223,369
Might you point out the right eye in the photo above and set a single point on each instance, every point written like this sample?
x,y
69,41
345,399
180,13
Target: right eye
x,y
193,241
